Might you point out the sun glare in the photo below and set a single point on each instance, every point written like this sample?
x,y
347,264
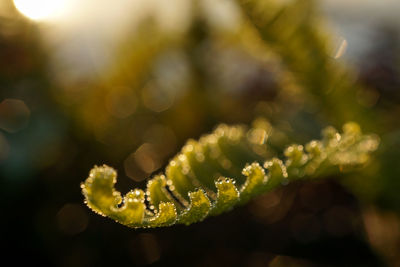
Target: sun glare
x,y
41,9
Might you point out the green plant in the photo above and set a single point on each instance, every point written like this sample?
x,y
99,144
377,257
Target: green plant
x,y
222,170
234,164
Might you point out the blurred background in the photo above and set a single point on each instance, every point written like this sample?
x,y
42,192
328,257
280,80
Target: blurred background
x,y
126,83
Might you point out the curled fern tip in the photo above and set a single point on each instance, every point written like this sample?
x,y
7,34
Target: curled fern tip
x,y
223,169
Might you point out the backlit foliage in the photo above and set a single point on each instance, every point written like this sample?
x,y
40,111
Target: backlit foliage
x,y
224,169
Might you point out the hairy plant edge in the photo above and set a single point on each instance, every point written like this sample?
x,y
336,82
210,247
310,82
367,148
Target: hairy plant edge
x,y
204,180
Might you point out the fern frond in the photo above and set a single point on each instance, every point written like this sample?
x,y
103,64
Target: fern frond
x,y
295,31
212,175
